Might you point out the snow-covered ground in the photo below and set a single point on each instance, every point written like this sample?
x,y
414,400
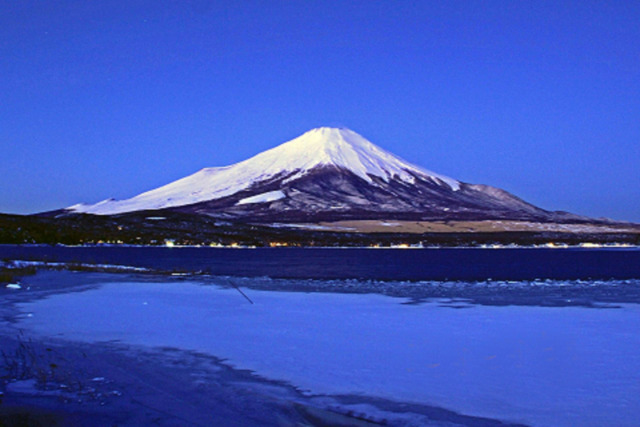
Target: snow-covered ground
x,y
536,365
264,197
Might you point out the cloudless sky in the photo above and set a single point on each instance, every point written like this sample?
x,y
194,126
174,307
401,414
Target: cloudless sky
x,y
111,98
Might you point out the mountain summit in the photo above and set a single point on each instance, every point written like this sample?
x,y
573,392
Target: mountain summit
x,y
342,148
327,174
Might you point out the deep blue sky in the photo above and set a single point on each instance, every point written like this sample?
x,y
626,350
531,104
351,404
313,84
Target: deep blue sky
x,y
112,98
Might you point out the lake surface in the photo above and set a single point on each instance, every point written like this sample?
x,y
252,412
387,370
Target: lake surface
x,y
528,365
377,264
526,336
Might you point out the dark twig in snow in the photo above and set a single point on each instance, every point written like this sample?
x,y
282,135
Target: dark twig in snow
x,y
240,290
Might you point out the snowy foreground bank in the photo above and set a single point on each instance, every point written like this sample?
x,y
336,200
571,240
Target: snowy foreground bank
x,y
523,364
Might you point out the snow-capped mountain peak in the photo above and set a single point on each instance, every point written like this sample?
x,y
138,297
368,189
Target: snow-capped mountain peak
x,y
338,147
346,149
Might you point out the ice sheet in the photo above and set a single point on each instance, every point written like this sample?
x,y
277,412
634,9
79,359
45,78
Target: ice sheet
x,y
541,366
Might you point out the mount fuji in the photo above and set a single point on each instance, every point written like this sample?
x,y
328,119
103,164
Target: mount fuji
x,y
328,174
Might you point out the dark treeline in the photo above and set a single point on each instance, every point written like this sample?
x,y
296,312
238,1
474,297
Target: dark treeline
x,y
183,229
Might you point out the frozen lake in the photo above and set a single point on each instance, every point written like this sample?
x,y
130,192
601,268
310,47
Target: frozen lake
x,y
562,366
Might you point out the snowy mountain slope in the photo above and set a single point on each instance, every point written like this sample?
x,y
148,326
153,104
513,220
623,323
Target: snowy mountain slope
x,y
330,194
325,174
342,148
319,147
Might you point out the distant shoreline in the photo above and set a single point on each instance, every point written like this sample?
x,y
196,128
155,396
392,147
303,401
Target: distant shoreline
x,y
196,230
